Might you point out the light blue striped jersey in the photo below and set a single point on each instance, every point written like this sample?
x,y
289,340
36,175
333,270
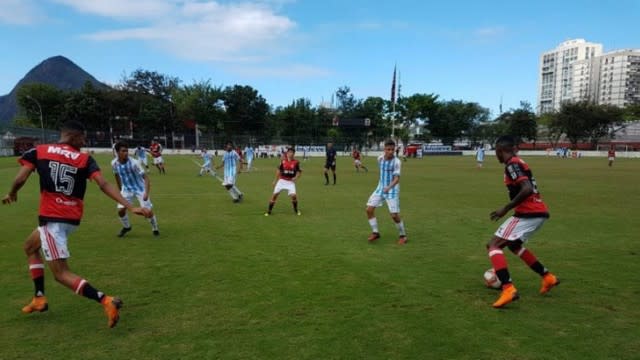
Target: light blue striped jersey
x,y
388,170
230,160
206,157
141,152
248,152
480,154
131,175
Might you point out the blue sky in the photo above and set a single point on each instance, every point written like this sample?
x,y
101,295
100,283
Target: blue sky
x,y
478,51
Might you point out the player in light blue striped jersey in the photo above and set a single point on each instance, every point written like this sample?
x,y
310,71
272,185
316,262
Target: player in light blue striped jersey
x,y
141,155
388,191
133,183
207,158
230,160
248,153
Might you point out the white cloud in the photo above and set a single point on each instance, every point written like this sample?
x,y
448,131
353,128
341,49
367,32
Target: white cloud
x,y
196,30
19,12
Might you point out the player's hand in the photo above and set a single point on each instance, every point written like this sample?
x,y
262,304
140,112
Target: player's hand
x,y
9,198
385,189
495,215
142,211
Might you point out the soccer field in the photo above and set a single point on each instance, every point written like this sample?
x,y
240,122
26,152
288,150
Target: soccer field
x,y
225,282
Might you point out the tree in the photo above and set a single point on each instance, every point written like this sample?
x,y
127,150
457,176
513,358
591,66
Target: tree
x,y
247,111
584,121
453,119
42,99
200,103
520,122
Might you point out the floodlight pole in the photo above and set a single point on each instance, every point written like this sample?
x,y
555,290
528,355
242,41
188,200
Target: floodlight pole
x,y
41,117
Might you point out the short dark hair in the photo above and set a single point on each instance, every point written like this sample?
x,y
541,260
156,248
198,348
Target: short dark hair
x,y
120,144
73,125
290,148
389,142
506,141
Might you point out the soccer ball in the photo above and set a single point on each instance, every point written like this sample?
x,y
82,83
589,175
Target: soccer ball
x,y
491,280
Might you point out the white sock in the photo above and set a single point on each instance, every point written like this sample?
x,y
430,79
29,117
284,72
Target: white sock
x,y
400,227
374,224
235,188
154,223
125,221
233,194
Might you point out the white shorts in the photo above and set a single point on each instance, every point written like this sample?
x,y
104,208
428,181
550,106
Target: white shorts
x,y
132,195
143,161
611,158
515,228
357,162
229,180
376,200
53,240
157,160
283,184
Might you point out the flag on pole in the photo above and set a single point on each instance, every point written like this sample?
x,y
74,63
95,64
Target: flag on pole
x,y
393,86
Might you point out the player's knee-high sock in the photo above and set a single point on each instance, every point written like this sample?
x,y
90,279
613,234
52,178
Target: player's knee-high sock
x,y
233,194
295,205
527,256
400,226
326,178
271,204
334,178
125,221
154,222
82,287
238,192
374,225
499,263
36,268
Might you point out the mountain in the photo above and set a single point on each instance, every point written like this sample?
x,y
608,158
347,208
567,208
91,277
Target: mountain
x,y
57,71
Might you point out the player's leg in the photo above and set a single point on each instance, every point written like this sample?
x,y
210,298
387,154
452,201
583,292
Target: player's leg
x,y
326,175
122,214
499,262
394,210
333,171
291,191
54,244
374,201
272,201
523,231
36,269
152,219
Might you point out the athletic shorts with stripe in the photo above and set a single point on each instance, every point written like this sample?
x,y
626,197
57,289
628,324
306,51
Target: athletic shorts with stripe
x,y
515,228
53,240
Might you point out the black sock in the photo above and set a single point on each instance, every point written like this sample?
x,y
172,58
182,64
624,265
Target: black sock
x,y
271,203
334,178
503,276
90,292
538,268
326,178
39,286
295,206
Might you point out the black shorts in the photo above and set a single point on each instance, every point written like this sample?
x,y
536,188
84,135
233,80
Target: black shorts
x,y
330,165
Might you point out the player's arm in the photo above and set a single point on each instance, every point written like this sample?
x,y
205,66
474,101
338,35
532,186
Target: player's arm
x,y
275,180
394,182
526,189
147,187
19,181
118,181
298,173
114,194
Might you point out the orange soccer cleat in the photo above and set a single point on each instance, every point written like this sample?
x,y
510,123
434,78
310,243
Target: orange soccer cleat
x,y
509,294
112,307
38,303
402,240
548,282
373,237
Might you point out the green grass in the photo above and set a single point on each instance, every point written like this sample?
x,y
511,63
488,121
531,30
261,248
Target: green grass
x,y
225,282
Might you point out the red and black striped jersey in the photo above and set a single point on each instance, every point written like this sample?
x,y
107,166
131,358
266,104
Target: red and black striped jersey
x,y
289,169
516,171
355,154
155,150
63,172
612,153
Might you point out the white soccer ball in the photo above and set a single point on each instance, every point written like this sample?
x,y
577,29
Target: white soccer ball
x,y
491,280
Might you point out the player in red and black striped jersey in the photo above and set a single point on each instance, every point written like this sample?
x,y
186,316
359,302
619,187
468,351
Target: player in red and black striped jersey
x,y
357,162
530,213
611,155
286,175
63,172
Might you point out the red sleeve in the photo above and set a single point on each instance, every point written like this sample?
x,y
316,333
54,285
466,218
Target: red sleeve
x,y
29,158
